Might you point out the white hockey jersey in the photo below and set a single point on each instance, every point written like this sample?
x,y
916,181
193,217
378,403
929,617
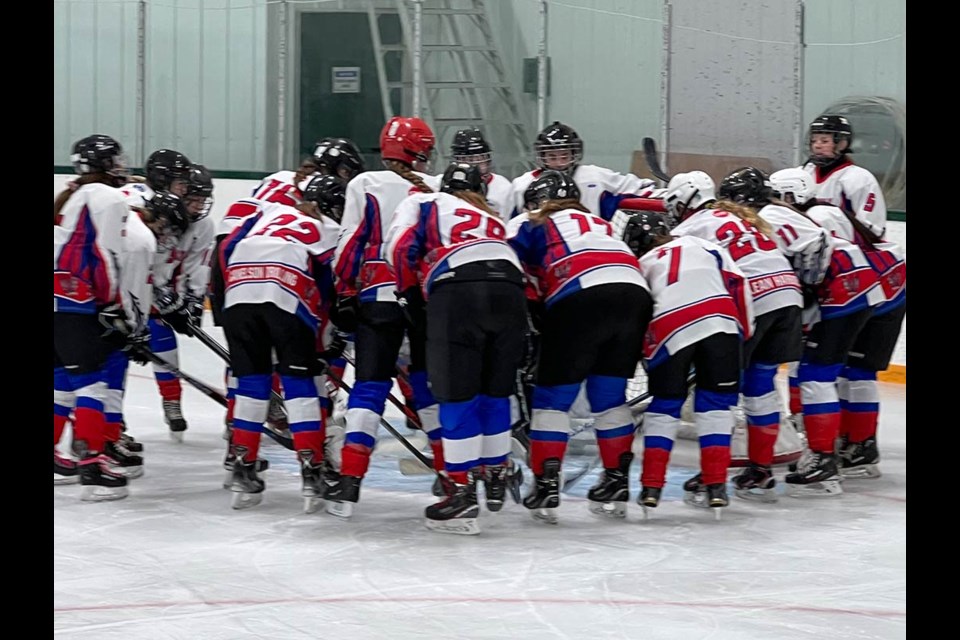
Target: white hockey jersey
x,y
601,189
280,256
136,193
434,233
235,214
801,239
87,245
279,187
360,263
570,250
771,280
186,267
499,192
853,189
697,292
136,268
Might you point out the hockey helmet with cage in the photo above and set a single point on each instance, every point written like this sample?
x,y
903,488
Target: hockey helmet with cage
x,y
164,166
558,137
199,194
471,147
407,140
793,182
841,129
100,154
550,185
746,185
328,192
643,229
339,157
462,176
169,209
691,191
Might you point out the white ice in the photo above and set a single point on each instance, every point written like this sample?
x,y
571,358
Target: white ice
x,y
174,561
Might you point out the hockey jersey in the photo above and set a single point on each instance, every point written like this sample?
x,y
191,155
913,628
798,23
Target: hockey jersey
x,y
136,267
87,245
801,239
185,266
432,234
280,256
570,250
772,282
360,263
279,187
499,192
136,193
697,292
852,189
601,189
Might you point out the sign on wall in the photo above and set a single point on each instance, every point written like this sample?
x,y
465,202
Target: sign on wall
x,y
346,79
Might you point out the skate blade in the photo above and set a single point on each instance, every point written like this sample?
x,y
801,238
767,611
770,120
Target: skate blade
x,y
766,496
94,493
59,480
609,509
129,472
242,500
696,499
494,506
717,512
647,511
822,489
545,515
861,472
176,436
312,504
457,526
228,480
413,467
343,510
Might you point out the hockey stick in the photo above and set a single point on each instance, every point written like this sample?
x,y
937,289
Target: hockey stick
x,y
653,161
281,439
203,388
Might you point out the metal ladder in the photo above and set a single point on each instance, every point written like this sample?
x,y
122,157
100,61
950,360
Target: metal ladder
x,y
465,81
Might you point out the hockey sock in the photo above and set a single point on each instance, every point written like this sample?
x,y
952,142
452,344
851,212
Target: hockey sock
x,y
64,399
303,414
660,426
713,419
859,403
761,403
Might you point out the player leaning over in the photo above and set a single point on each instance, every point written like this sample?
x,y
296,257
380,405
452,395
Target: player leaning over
x,y
367,302
470,147
453,243
592,307
560,148
88,225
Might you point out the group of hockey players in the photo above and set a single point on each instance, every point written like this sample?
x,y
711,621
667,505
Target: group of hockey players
x,y
566,278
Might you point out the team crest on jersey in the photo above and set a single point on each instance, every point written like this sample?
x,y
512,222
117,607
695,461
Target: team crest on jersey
x,y
70,285
851,283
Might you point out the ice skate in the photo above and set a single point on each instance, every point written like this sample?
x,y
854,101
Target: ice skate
x,y
859,460
246,485
123,462
818,475
129,443
649,499
314,487
173,416
545,497
64,470
695,492
231,457
717,498
756,483
99,482
609,496
498,479
342,497
457,513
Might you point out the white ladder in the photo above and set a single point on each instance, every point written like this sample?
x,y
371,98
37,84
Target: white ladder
x,y
464,81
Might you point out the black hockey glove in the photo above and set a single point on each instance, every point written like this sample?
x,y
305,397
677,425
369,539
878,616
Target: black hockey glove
x,y
178,311
414,306
114,321
344,313
136,345
338,343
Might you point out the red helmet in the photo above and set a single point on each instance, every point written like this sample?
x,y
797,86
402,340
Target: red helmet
x,y
407,140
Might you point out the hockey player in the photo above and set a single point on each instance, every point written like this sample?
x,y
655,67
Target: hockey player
x,y
276,267
593,308
777,303
470,147
560,148
702,314
89,221
339,157
449,249
839,181
873,346
367,302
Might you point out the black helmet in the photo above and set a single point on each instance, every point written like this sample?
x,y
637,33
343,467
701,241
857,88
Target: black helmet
x,y
334,154
746,186
329,192
841,129
550,185
164,166
169,208
558,137
461,176
642,229
100,154
199,186
469,142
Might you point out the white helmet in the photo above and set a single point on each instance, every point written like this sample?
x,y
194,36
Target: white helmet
x,y
795,182
692,190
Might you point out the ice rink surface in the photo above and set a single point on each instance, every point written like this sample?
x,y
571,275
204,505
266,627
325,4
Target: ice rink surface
x,y
174,561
